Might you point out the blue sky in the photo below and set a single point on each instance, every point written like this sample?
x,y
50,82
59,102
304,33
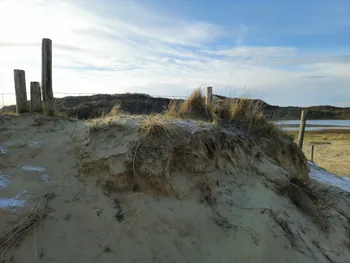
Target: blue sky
x,y
272,50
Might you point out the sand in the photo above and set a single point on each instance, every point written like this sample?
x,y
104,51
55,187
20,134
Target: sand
x,y
332,150
244,218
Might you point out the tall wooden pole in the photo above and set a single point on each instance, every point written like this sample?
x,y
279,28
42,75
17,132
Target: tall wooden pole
x,y
302,128
21,91
46,76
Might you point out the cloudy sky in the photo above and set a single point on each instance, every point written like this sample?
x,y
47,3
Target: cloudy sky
x,y
285,52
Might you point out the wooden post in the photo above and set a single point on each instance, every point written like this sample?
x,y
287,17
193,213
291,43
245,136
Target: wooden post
x,y
312,152
209,95
21,91
35,97
302,128
46,76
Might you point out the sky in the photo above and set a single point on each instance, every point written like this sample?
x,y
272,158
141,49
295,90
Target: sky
x,y
284,52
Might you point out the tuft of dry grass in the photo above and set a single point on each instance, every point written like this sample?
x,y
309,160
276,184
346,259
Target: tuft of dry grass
x,y
241,110
173,109
195,107
246,114
243,113
115,111
94,127
155,125
25,225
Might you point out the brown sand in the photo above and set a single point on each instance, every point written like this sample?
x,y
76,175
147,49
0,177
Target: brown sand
x,y
242,219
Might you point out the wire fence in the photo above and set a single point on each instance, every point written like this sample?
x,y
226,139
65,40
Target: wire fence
x,y
85,105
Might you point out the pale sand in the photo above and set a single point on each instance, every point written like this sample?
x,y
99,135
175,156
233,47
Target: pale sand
x,y
248,223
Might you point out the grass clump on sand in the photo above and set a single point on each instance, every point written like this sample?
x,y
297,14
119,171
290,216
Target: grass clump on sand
x,y
247,115
243,113
194,107
155,125
115,111
95,125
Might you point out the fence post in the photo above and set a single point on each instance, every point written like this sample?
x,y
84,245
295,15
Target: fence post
x,y
21,91
302,128
35,97
312,152
46,76
209,95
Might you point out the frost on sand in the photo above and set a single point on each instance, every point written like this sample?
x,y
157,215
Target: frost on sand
x,y
33,168
3,150
4,181
12,202
325,177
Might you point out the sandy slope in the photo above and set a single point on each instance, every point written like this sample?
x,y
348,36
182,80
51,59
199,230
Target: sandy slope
x,y
243,218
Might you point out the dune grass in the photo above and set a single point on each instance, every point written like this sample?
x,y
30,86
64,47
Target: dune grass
x,y
194,107
242,113
155,125
115,111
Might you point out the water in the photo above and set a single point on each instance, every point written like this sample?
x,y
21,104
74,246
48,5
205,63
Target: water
x,y
315,125
315,128
342,123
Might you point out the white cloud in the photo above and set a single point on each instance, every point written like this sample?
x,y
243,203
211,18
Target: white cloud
x,y
125,47
257,52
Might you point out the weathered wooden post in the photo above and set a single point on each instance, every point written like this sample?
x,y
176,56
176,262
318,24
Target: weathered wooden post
x,y
35,97
302,128
209,95
312,152
21,91
46,76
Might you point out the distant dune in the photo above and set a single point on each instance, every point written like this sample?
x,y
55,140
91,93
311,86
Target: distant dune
x,y
85,107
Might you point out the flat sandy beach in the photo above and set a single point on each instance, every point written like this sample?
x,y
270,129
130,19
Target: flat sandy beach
x,y
331,150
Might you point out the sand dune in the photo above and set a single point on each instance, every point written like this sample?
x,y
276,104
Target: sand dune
x,y
117,190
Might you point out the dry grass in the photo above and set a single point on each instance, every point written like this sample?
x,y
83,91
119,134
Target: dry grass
x,y
243,113
9,113
163,145
25,225
309,201
173,109
194,107
242,109
155,125
94,126
115,111
247,115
